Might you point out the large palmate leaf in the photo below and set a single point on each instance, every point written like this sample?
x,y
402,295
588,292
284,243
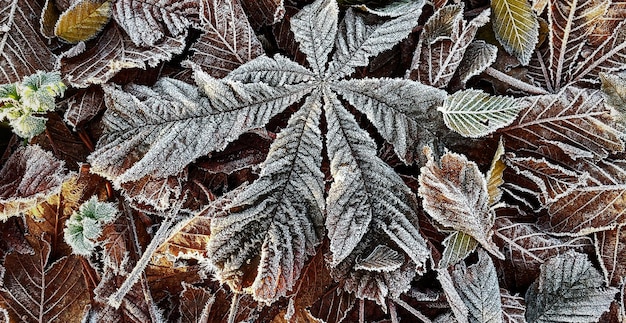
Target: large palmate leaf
x,y
83,20
473,113
611,250
442,45
114,52
315,29
279,216
516,27
455,195
569,289
35,289
23,50
228,40
478,286
29,177
148,22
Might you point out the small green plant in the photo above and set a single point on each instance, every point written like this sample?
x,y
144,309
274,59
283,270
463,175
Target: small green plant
x,y
23,104
84,227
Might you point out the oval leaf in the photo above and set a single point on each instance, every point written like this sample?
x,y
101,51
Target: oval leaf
x,y
83,21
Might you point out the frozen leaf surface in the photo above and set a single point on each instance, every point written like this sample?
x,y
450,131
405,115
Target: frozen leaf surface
x,y
568,288
458,246
83,106
264,12
83,20
516,27
28,178
611,250
195,304
478,56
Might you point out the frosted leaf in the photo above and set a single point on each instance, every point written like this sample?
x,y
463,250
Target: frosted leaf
x,y
443,44
24,51
172,124
614,88
576,117
457,246
455,195
495,175
516,27
84,226
478,286
357,42
195,305
478,56
83,106
570,289
113,53
29,177
392,9
264,12
513,307
382,259
314,28
365,193
83,20
400,109
458,307
279,216
609,56
148,22
227,41
611,251
275,71
474,114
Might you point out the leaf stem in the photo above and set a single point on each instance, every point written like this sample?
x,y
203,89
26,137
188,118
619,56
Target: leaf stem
x,y
234,308
411,309
514,82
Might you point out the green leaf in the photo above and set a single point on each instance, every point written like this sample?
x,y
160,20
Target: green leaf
x,y
516,27
83,20
473,113
458,246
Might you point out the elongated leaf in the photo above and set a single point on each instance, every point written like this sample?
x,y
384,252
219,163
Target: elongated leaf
x,y
458,246
357,42
568,288
443,44
611,250
146,22
400,109
49,16
83,20
495,175
37,290
574,117
382,258
29,177
516,27
478,56
174,111
478,287
474,114
278,217
365,193
314,28
610,56
227,41
276,71
23,50
189,238
113,53
455,195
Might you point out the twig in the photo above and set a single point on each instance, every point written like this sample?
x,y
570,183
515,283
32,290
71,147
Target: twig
x,y
514,82
234,308
412,310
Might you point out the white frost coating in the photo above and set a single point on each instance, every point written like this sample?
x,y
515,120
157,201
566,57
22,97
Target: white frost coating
x,y
315,29
382,259
474,114
478,56
275,71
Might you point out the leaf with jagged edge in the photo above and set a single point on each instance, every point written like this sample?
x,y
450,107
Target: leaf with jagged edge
x,y
315,29
575,119
457,246
516,27
607,57
35,289
443,44
570,25
189,238
24,51
264,12
172,123
195,304
357,41
526,246
83,20
29,177
382,259
279,216
275,71
49,16
148,22
478,56
614,88
401,110
334,306
113,53
227,41
366,193
478,286
513,307
568,289
455,195
611,250
474,114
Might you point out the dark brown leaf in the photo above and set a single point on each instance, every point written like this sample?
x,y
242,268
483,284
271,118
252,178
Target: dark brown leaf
x,y
62,142
83,106
611,250
264,12
195,304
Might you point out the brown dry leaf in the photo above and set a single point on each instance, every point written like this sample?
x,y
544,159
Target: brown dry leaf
x,y
334,306
24,51
228,40
83,106
455,195
189,238
495,175
113,52
301,315
29,177
83,20
195,304
264,12
164,277
611,251
513,307
36,290
314,282
62,142
49,16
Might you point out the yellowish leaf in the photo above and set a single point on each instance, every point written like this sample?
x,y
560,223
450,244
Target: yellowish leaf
x,y
494,175
516,27
83,21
